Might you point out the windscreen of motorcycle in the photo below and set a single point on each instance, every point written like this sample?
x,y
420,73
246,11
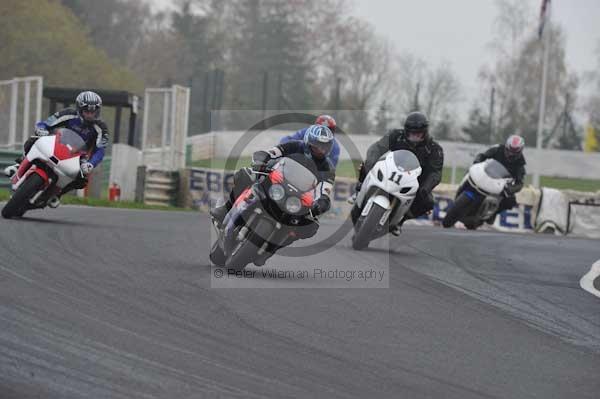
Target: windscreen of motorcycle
x,y
72,141
406,160
496,170
297,174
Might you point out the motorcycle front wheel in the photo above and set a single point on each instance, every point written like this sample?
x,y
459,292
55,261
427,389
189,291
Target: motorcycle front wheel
x,y
17,205
367,226
247,249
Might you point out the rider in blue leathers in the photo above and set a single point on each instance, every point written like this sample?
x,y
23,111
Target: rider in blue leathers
x,y
324,120
316,146
84,120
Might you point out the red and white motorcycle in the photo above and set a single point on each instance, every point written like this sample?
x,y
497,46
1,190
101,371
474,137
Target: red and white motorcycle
x,y
51,164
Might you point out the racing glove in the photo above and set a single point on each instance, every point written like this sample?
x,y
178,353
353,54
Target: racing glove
x,y
86,168
509,189
41,132
320,206
260,159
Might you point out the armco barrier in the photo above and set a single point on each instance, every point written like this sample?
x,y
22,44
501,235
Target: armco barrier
x,y
548,162
157,187
201,188
7,158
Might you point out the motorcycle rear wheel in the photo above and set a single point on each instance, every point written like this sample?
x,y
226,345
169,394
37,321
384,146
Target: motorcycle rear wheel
x,y
458,210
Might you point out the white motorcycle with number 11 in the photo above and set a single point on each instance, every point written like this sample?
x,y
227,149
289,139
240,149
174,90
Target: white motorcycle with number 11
x,y
386,195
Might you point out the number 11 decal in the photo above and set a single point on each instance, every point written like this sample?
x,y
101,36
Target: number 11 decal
x,y
393,176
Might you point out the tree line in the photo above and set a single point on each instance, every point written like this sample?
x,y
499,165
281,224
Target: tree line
x,y
292,54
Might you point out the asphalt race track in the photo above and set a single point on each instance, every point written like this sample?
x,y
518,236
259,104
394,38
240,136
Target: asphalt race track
x,y
100,303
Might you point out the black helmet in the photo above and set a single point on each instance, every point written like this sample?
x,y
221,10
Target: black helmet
x,y
90,102
416,127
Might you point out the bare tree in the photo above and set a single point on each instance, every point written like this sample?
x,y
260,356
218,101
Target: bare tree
x,y
434,91
591,104
511,25
442,90
361,60
158,59
515,75
114,26
410,72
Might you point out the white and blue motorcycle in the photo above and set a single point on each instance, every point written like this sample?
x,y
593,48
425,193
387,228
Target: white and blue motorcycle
x,y
386,195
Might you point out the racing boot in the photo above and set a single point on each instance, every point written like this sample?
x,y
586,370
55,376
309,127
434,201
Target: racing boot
x,y
396,230
352,198
53,202
218,213
262,259
10,171
491,219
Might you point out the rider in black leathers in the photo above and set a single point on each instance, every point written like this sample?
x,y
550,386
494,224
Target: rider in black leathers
x,y
415,138
511,156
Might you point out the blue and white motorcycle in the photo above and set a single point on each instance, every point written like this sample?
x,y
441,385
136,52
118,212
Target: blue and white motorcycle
x,y
479,194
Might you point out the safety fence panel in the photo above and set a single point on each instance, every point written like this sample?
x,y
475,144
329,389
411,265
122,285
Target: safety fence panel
x,y
165,127
20,109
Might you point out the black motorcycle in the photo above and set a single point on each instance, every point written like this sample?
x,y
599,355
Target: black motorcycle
x,y
268,215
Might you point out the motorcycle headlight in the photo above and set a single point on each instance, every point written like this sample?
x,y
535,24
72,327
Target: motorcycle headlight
x,y
293,204
276,192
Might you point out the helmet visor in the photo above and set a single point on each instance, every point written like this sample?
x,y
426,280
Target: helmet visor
x,y
90,112
89,115
320,150
513,147
512,153
416,135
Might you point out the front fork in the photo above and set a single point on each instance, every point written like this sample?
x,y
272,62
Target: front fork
x,y
26,168
248,216
273,241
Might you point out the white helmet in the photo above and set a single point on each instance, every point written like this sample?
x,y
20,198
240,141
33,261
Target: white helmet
x,y
88,101
513,148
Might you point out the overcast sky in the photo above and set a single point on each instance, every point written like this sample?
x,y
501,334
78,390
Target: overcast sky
x,y
458,31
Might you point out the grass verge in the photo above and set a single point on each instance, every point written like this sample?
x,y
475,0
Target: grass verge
x,y
73,200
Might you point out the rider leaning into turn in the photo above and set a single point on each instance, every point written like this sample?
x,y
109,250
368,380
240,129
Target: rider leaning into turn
x,y
511,156
83,120
324,120
316,146
415,138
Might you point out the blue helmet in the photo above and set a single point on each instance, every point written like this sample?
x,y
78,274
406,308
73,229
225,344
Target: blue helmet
x,y
318,141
